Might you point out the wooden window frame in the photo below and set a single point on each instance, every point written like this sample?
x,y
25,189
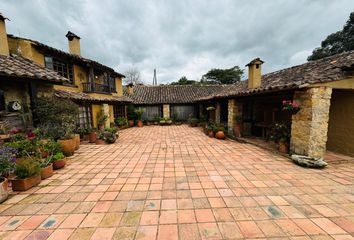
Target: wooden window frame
x,y
62,68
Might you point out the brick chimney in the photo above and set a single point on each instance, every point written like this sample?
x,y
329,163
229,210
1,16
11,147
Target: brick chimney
x,y
74,43
4,45
254,73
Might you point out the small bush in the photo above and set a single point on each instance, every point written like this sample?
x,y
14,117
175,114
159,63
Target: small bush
x,y
27,168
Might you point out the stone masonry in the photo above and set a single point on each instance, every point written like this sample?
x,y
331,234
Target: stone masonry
x,y
309,126
231,116
166,110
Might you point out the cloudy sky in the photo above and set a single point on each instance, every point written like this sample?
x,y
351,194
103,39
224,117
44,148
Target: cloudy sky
x,y
184,37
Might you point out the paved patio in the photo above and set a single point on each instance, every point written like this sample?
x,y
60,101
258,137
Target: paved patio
x,y
176,183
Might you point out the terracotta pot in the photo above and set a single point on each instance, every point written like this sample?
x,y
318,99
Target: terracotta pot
x,y
140,123
220,135
169,122
100,142
92,137
237,130
47,171
194,124
25,184
131,123
4,193
59,164
85,138
211,134
68,146
283,147
77,141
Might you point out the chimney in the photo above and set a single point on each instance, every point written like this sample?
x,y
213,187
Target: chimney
x,y
130,88
254,73
74,43
4,45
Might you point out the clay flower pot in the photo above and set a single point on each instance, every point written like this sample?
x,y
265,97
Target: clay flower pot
x,y
68,146
211,134
131,123
77,141
140,123
100,142
237,130
283,147
92,137
25,184
4,193
47,171
85,137
220,135
59,164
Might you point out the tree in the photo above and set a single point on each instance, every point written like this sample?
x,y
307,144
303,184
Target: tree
x,y
132,76
223,76
337,42
184,81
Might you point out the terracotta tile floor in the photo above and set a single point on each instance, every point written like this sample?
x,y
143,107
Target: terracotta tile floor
x,y
176,183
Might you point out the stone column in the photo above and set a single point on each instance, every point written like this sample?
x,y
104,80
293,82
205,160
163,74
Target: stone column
x,y
310,125
166,110
217,113
105,108
231,116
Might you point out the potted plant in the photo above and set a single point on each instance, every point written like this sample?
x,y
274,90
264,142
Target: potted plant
x,y
58,160
211,129
139,114
100,138
92,135
162,121
46,168
7,163
67,141
168,121
121,122
131,115
280,133
156,119
238,125
290,106
193,122
110,135
83,132
220,132
27,173
101,119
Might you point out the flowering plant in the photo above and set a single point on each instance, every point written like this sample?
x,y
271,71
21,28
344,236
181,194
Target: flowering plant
x,y
7,160
292,106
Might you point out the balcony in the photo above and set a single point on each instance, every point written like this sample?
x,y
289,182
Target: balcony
x,y
97,88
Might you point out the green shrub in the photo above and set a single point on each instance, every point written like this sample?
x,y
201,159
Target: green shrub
x,y
57,116
56,157
27,167
139,113
24,147
121,121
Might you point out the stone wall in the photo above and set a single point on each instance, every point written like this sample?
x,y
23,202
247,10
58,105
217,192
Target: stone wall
x,y
166,110
231,116
309,126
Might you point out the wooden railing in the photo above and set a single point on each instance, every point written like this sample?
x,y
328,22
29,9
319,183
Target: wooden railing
x,y
96,87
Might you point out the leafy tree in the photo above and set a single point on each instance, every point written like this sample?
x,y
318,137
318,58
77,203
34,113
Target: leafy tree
x,y
337,42
184,81
223,76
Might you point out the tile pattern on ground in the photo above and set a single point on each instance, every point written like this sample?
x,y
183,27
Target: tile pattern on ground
x,y
173,182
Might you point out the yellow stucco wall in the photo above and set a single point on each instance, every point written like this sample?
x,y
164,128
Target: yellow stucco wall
x,y
25,49
95,110
341,122
111,114
341,84
254,76
119,87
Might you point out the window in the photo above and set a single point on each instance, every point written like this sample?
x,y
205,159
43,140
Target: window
x,y
62,68
2,101
119,111
112,83
84,116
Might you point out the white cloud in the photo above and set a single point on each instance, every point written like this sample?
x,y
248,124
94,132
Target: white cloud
x,y
181,37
